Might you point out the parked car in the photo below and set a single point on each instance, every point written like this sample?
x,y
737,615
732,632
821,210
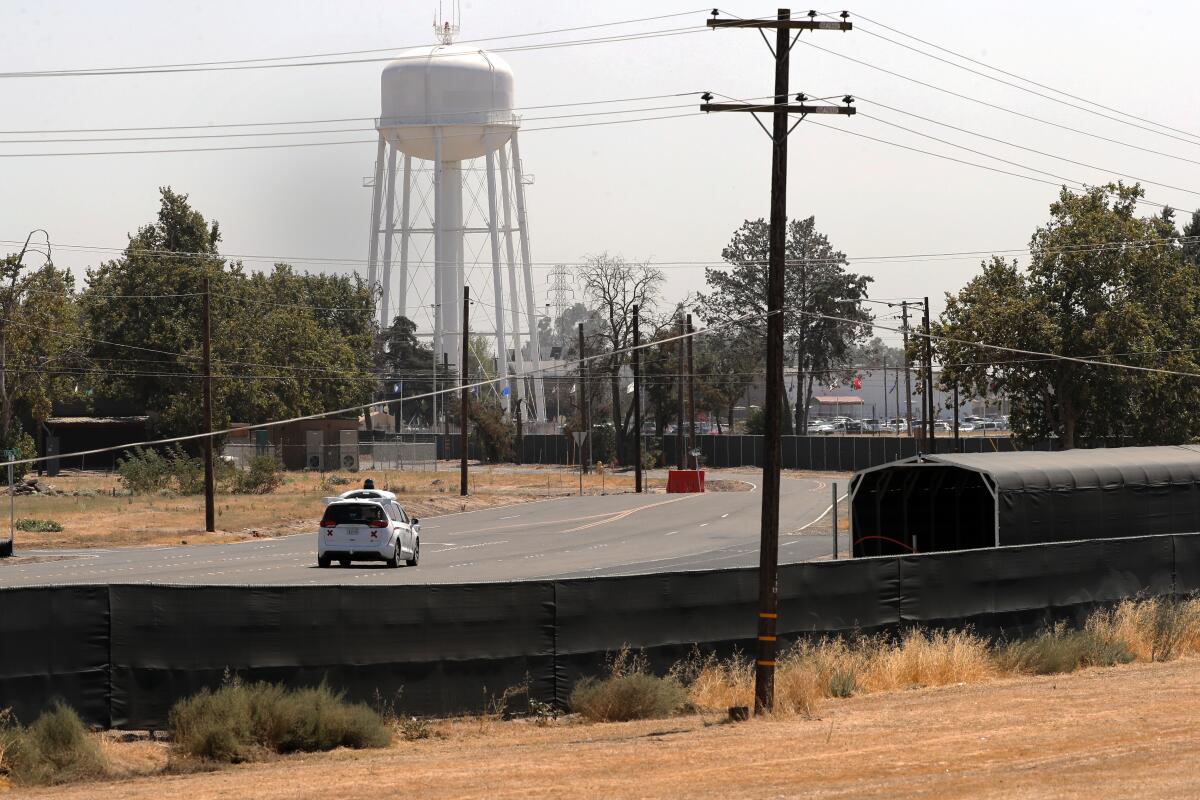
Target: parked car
x,y
367,525
819,428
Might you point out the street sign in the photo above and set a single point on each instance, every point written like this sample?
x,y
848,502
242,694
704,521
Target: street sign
x,y
10,455
695,451
579,437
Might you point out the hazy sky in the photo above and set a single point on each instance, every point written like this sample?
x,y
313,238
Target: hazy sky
x,y
667,190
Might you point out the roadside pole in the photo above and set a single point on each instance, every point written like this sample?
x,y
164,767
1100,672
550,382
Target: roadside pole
x,y
680,369
465,402
210,515
580,438
637,404
929,379
6,548
585,413
691,379
768,565
957,441
835,520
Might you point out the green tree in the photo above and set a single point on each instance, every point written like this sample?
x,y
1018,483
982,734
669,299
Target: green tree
x,y
725,366
1130,303
817,286
38,330
405,364
284,344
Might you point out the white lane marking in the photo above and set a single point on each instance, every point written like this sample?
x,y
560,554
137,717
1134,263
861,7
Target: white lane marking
x,y
511,516
469,546
723,516
672,533
823,513
703,524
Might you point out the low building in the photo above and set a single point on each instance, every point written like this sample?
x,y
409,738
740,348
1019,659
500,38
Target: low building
x,y
76,434
318,444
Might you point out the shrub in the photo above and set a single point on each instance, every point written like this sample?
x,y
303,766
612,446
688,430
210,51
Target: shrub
x,y
56,748
629,692
37,525
245,721
261,477
153,472
144,471
1059,649
842,683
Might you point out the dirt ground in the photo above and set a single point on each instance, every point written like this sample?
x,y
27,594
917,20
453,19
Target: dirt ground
x,y
102,519
1131,731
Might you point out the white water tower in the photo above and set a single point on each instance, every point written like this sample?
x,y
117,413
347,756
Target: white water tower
x,y
447,117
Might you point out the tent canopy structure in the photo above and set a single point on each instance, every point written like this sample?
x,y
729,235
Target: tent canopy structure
x,y
964,501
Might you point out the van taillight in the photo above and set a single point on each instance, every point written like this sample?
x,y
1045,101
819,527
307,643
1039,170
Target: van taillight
x,y
327,523
377,523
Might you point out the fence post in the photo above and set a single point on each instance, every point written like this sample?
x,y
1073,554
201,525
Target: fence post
x,y
835,520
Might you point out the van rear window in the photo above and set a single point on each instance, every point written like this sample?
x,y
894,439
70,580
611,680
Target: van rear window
x,y
348,513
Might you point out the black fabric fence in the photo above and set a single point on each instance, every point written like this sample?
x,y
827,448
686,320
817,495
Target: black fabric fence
x,y
122,654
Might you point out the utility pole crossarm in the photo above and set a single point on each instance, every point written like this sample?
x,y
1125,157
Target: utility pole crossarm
x,y
785,24
790,108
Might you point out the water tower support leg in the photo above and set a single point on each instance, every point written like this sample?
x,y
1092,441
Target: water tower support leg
x,y
511,258
439,258
385,317
373,241
405,228
497,282
539,395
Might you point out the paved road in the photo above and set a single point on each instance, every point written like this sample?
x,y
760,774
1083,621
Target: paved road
x,y
566,537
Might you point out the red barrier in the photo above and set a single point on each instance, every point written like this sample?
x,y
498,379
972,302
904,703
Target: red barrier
x,y
685,480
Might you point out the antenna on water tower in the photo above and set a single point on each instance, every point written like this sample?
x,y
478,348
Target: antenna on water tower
x,y
446,29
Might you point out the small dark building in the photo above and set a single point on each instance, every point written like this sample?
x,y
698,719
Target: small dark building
x,y
79,433
964,501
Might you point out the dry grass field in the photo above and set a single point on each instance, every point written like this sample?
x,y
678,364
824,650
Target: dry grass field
x,y
1128,731
104,516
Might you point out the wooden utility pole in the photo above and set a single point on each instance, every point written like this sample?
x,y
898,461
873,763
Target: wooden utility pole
x,y
637,404
691,390
585,411
768,592
928,380
465,401
681,456
907,371
210,505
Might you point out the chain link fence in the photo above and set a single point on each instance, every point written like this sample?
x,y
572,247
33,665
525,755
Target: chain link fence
x,y
360,456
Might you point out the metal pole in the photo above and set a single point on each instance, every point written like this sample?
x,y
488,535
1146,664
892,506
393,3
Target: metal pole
x,y
768,591
907,371
835,520
928,379
498,284
680,369
389,227
691,379
957,440
465,401
585,411
376,207
405,233
637,404
210,509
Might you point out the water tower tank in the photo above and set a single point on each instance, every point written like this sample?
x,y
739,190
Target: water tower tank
x,y
466,91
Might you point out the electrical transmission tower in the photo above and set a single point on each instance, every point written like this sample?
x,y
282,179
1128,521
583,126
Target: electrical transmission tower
x,y
560,294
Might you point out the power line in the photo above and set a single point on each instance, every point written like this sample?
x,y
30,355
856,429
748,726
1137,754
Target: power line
x,y
996,107
379,49
970,163
225,148
241,65
367,406
170,137
209,125
1013,144
1012,75
1035,93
